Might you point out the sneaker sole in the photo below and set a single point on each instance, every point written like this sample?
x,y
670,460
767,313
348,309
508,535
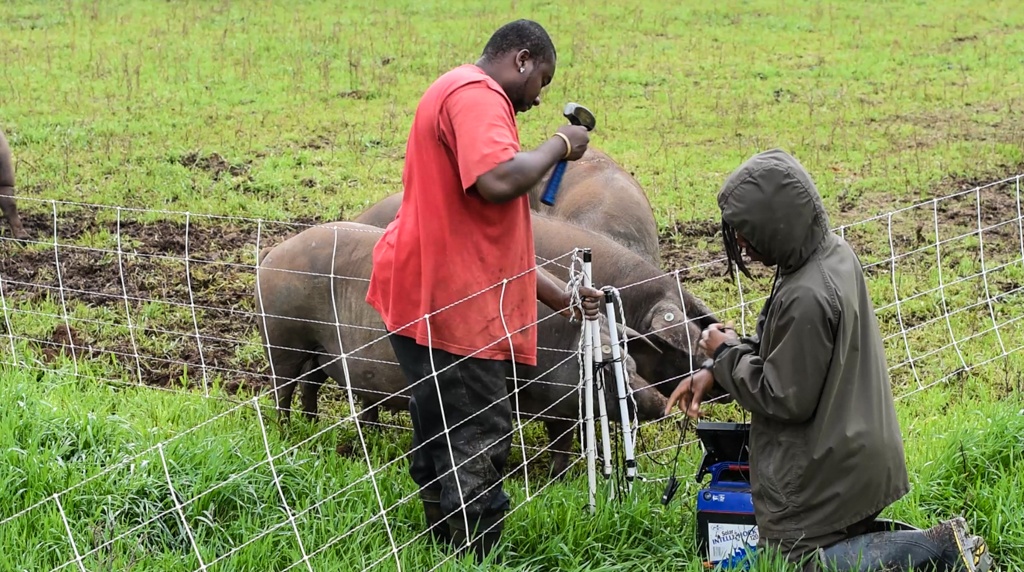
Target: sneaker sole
x,y
976,550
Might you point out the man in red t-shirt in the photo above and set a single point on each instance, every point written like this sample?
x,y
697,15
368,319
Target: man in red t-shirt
x,y
455,279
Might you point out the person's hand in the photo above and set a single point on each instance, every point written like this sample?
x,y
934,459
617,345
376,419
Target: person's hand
x,y
714,336
579,138
591,302
690,392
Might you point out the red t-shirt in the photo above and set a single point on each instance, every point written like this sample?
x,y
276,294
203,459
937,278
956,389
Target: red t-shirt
x,y
447,243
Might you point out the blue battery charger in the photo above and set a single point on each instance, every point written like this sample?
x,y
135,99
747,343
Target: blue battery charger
x,y
726,529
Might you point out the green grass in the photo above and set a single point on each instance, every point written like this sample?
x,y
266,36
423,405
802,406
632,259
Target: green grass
x,y
879,100
964,447
299,112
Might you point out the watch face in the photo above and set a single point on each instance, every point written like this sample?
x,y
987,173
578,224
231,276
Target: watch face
x,y
708,363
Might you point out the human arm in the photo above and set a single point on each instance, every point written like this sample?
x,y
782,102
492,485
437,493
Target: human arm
x,y
552,293
691,392
478,125
785,384
515,177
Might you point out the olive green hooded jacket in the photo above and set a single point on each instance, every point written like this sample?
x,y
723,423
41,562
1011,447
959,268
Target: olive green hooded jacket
x,y
825,443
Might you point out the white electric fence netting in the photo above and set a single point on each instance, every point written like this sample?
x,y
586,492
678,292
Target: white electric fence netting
x,y
175,305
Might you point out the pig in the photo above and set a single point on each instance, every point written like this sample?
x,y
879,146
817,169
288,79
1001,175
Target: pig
x,y
306,321
598,194
654,306
7,204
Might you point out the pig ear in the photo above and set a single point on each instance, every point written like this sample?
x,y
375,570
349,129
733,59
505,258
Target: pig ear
x,y
663,321
670,327
632,335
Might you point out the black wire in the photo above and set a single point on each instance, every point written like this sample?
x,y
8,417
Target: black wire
x,y
642,441
673,483
747,446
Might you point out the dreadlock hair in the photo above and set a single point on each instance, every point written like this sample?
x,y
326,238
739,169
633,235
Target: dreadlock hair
x,y
732,250
517,35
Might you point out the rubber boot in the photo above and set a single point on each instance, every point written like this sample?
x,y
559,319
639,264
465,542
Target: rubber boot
x,y
964,552
437,524
485,537
946,547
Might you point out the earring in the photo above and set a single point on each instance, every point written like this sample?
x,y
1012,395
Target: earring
x,y
522,69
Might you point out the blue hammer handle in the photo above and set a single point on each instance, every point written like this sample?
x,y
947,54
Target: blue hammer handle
x,y
548,197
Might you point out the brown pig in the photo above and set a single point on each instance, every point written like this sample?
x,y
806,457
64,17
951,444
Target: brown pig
x,y
7,204
598,194
307,320
654,303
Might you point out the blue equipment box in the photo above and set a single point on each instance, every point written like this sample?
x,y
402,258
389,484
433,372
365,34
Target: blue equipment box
x,y
726,529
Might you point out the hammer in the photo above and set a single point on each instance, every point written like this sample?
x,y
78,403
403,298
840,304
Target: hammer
x,y
577,115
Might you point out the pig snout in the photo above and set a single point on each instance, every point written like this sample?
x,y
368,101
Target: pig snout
x,y
650,403
643,401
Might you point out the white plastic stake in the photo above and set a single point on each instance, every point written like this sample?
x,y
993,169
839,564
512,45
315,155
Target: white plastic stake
x,y
606,440
620,383
588,397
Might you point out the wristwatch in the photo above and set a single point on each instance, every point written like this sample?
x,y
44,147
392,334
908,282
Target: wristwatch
x,y
709,364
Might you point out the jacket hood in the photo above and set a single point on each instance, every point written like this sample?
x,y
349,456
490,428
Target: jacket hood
x,y
772,201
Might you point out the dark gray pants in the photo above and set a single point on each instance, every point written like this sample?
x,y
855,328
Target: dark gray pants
x,y
897,551
882,546
473,397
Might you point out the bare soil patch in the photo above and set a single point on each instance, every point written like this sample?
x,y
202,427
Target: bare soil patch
x,y
214,164
911,228
188,290
150,283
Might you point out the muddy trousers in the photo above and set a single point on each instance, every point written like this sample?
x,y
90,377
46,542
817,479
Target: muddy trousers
x,y
873,545
895,551
461,419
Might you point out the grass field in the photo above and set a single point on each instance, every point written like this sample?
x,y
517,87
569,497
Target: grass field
x,y
298,112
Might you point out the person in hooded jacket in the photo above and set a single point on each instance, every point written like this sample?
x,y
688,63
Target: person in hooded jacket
x,y
826,452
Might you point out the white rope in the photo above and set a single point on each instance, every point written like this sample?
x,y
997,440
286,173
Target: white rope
x,y
127,308
515,383
899,310
277,483
916,354
1020,223
444,423
71,537
60,285
352,402
984,273
572,286
192,306
177,507
942,288
263,319
7,323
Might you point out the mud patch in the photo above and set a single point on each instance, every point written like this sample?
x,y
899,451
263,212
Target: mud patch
x,y
172,305
695,248
682,247
963,207
357,94
214,164
969,216
318,142
63,340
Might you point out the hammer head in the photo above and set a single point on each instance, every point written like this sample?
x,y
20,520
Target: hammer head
x,y
579,115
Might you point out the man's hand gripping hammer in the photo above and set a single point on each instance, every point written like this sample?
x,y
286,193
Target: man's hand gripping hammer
x,y
577,115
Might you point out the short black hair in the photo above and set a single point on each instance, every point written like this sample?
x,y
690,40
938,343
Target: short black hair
x,y
518,35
